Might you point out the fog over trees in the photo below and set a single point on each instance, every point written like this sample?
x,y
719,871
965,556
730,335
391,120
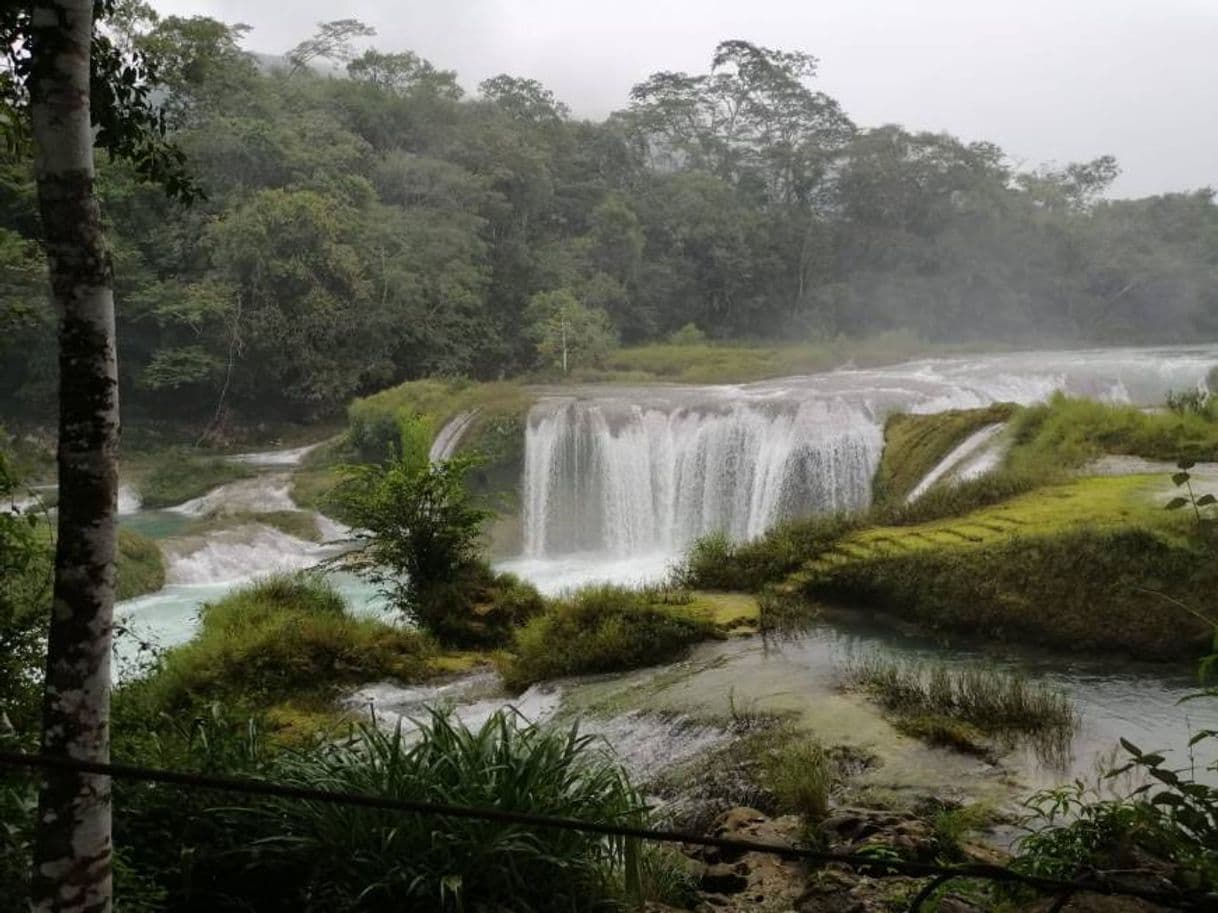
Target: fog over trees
x,y
363,230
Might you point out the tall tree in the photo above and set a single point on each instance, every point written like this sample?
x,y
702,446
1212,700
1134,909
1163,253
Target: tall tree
x,y
72,853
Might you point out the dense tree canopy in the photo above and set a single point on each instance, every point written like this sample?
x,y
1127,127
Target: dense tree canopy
x,y
366,228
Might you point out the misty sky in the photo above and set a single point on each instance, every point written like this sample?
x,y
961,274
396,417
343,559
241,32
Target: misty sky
x,y
1048,81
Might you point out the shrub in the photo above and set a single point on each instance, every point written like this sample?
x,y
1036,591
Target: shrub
x,y
421,533
282,637
141,566
604,629
715,562
478,607
341,857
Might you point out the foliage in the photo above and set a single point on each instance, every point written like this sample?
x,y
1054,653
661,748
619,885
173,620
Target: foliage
x,y
567,333
384,228
1067,433
141,566
25,597
715,562
987,698
336,857
605,629
421,532
280,638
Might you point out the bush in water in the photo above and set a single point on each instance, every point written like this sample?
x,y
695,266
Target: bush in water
x,y
422,535
284,637
603,629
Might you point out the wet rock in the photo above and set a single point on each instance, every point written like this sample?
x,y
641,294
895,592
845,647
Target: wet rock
x,y
854,829
724,878
954,903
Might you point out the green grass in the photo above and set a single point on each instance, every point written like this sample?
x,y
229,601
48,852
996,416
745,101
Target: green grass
x,y
606,629
279,639
1066,433
297,855
375,422
1094,564
170,477
915,444
989,699
801,775
141,566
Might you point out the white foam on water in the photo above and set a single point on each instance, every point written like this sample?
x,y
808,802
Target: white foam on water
x,y
238,554
129,500
445,444
275,457
261,494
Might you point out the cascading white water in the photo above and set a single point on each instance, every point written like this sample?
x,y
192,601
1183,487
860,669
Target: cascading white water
x,y
628,479
616,472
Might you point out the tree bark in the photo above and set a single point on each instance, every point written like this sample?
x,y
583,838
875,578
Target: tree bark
x,y
72,850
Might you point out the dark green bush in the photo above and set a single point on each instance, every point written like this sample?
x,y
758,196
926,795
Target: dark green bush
x,y
305,856
603,629
714,562
279,638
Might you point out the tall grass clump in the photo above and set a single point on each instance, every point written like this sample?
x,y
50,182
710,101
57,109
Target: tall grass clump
x,y
801,775
605,629
1067,432
715,562
926,694
283,637
332,857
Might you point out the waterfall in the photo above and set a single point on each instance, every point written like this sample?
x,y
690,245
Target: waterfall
x,y
622,478
633,472
444,447
976,455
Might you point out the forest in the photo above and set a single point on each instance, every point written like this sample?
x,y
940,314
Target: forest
x,y
364,221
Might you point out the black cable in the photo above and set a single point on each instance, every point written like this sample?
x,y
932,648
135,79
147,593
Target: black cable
x,y
60,763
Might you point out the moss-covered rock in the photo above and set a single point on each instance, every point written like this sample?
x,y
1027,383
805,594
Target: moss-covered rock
x,y
606,629
286,638
915,444
141,566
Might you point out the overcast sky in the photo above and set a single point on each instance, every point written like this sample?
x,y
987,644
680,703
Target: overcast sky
x,y
1048,80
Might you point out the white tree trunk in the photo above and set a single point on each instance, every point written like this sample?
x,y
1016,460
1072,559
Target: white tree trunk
x,y
72,853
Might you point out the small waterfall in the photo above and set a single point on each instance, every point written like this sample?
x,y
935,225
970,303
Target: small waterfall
x,y
445,444
976,455
622,478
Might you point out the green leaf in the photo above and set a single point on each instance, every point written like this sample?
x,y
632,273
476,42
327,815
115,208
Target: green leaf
x,y
1206,500
1131,748
1176,503
1186,464
1180,478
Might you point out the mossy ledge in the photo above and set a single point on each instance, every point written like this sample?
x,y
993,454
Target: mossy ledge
x,y
141,566
915,444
